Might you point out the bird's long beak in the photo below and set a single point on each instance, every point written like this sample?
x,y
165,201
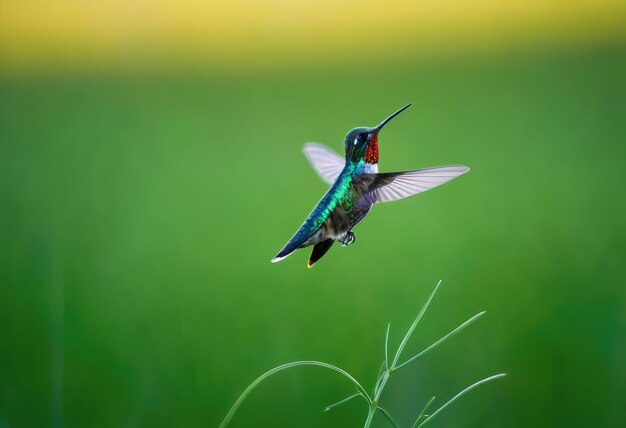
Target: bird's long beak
x,y
384,122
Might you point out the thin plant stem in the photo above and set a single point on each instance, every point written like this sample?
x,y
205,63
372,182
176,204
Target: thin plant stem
x,y
456,397
387,346
267,374
410,331
376,399
434,345
423,412
343,401
388,416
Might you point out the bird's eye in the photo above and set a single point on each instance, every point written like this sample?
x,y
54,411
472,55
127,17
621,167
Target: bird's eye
x,y
362,137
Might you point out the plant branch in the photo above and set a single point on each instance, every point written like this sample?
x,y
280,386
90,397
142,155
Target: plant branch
x,y
387,346
423,412
388,416
267,374
410,331
456,397
440,341
343,401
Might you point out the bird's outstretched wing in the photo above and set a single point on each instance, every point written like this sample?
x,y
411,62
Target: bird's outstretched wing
x,y
325,161
391,186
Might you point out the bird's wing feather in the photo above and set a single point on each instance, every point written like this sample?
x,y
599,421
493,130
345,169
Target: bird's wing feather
x,y
325,161
391,186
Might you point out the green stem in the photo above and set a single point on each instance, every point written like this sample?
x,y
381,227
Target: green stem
x,y
374,403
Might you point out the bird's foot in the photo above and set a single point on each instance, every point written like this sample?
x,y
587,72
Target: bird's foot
x,y
348,238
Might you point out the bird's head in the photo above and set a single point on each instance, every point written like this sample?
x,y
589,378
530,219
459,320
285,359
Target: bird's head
x,y
362,143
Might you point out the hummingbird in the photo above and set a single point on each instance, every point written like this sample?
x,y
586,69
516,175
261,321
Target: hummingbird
x,y
355,187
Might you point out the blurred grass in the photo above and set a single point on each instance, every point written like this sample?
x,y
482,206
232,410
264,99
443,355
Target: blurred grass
x,y
140,212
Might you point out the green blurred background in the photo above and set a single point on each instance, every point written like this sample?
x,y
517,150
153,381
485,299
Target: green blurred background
x,y
143,193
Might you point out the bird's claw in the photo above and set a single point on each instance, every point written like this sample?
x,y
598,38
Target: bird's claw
x,y
348,238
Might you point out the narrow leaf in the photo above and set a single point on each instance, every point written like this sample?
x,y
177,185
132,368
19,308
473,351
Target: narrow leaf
x,y
410,331
440,341
388,416
423,412
387,347
456,397
342,401
267,374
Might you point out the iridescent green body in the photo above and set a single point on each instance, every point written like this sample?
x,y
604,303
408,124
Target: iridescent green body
x,y
341,208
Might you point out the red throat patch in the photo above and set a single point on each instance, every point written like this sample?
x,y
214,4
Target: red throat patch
x,y
371,154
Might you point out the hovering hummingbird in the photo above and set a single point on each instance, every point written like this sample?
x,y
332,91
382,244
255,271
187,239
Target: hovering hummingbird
x,y
356,185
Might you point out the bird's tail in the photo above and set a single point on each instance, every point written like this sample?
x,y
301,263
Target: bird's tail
x,y
298,240
283,254
291,246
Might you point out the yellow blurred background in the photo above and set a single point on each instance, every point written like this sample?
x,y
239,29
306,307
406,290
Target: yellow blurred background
x,y
268,34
